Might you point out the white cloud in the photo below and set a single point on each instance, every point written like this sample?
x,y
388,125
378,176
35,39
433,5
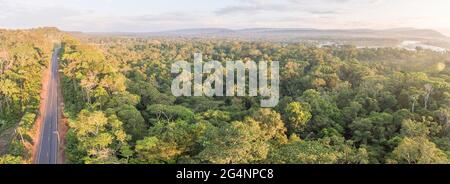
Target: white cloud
x,y
144,15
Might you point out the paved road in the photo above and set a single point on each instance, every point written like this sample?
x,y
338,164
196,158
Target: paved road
x,y
48,146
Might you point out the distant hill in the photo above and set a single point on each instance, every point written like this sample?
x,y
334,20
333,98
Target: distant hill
x,y
197,32
301,32
358,37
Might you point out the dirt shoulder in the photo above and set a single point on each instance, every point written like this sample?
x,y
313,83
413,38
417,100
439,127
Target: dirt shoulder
x,y
39,120
62,124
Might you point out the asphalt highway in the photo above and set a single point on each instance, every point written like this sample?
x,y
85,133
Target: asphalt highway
x,y
48,146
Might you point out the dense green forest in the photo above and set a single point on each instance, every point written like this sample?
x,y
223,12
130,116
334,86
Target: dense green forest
x,y
339,104
24,54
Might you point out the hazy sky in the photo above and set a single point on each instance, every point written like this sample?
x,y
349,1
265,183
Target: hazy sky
x,y
157,15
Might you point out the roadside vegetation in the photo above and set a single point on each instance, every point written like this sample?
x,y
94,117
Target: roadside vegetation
x,y
24,55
